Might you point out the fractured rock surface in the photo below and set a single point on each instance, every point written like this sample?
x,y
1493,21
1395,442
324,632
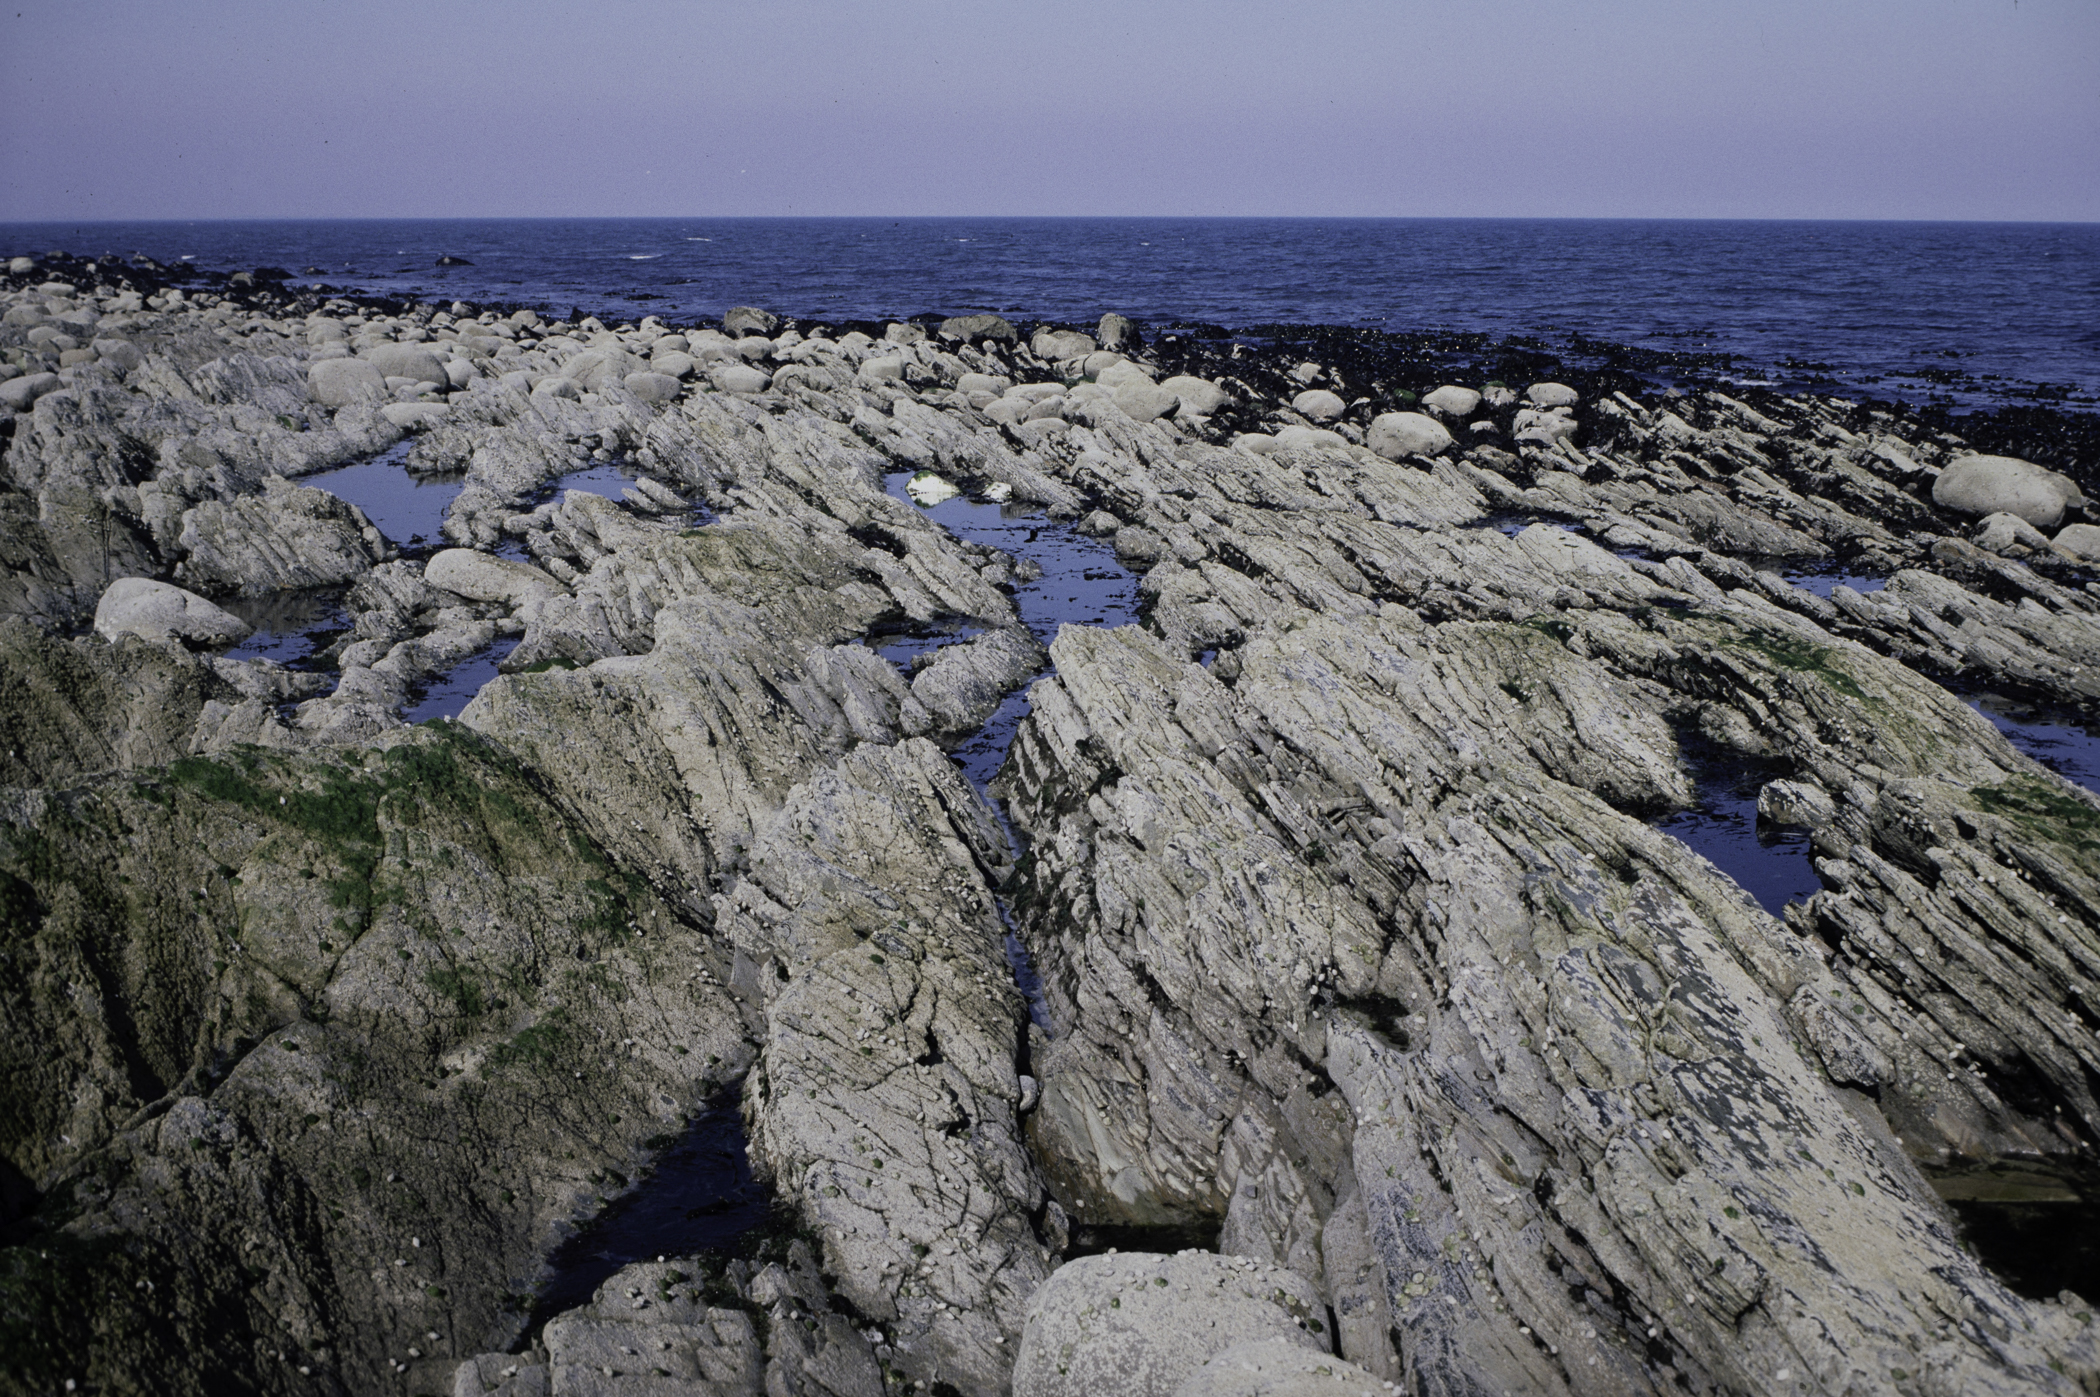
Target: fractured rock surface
x,y
1360,951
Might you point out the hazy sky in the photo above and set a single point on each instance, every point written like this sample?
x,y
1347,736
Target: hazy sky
x,y
1630,108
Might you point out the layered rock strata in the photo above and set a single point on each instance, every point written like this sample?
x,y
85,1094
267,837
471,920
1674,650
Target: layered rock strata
x,y
1358,944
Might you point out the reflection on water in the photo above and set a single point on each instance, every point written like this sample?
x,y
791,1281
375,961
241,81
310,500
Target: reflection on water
x,y
1770,862
444,697
2061,744
291,628
1081,583
408,509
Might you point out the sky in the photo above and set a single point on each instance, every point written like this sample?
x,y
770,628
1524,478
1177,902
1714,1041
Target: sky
x,y
1897,109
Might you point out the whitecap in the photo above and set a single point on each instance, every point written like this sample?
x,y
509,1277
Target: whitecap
x,y
699,240
643,256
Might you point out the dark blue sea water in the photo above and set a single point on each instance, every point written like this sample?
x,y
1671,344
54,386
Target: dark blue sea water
x,y
1973,313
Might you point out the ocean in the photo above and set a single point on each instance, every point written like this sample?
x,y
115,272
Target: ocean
x,y
1962,314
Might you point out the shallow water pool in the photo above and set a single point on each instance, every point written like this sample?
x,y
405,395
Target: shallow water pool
x,y
409,509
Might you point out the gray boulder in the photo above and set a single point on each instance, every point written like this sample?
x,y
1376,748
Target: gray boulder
x,y
412,361
595,368
2080,541
750,320
286,537
341,382
654,387
480,577
118,354
1801,803
1117,331
1552,395
1319,404
1543,427
140,606
2009,533
2006,485
675,362
1139,1324
1395,435
741,378
1451,401
19,393
1062,344
1143,402
977,327
1197,395
1279,1368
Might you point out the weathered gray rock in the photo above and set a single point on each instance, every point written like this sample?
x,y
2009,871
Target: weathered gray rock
x,y
72,709
2007,485
1143,402
2010,534
1138,1324
1117,331
749,320
1319,404
966,682
740,378
1061,344
20,393
1552,395
411,361
1795,803
1279,1368
654,387
340,382
480,577
2080,541
121,355
977,327
1196,395
285,537
154,610
1396,435
1543,427
1451,401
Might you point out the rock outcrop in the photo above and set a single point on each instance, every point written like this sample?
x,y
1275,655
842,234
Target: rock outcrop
x,y
1363,959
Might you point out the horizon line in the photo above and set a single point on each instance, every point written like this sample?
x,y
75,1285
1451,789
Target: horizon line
x,y
1047,217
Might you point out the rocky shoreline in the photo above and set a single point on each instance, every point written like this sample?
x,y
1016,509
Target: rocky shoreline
x,y
1361,952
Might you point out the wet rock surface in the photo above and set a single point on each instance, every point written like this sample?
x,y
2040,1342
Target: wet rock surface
x,y
1346,860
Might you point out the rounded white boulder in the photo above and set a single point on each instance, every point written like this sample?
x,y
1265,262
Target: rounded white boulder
x,y
19,393
481,577
1394,435
1197,395
341,382
1319,404
2006,485
1451,401
741,378
1143,402
405,361
654,387
1061,344
2080,541
1552,395
157,610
